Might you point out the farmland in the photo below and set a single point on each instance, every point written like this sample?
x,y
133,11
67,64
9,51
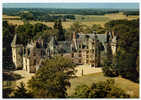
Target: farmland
x,y
88,20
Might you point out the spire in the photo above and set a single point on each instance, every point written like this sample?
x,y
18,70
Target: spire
x,y
74,40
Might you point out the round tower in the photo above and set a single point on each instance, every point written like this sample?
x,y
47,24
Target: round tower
x,y
17,53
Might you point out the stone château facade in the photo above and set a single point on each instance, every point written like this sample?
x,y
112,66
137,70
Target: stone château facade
x,y
83,49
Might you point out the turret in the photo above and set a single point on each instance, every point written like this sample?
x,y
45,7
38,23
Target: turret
x,y
17,53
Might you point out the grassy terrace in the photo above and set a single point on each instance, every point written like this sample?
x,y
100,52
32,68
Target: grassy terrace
x,y
127,85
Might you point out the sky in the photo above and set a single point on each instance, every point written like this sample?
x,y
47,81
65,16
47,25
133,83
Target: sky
x,y
73,5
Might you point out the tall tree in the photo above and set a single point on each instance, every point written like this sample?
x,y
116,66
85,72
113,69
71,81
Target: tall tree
x,y
128,47
58,26
52,79
8,34
77,27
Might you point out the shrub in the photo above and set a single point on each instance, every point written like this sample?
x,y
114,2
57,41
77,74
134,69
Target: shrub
x,y
81,91
104,89
110,71
21,92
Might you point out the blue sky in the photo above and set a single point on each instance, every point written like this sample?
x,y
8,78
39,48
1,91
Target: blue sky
x,y
73,5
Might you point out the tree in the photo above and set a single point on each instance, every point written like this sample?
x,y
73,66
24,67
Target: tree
x,y
127,33
8,34
24,33
38,27
58,26
81,91
27,32
21,92
98,29
26,16
102,89
52,79
77,27
110,70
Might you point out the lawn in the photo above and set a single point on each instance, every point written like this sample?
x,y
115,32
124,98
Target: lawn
x,y
127,85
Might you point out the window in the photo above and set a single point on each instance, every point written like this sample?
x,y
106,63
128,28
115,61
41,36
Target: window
x,y
79,60
92,65
34,61
72,55
28,51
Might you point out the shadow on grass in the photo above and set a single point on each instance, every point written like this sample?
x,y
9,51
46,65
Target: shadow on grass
x,y
9,76
6,92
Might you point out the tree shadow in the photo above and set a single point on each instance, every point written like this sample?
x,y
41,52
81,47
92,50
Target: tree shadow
x,y
9,76
7,92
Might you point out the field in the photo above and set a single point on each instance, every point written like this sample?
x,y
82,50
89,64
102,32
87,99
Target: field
x,y
65,24
88,20
5,16
127,85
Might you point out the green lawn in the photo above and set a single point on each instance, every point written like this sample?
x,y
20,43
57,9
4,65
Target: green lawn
x,y
127,85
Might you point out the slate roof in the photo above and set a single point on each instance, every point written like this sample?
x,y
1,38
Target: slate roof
x,y
101,37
